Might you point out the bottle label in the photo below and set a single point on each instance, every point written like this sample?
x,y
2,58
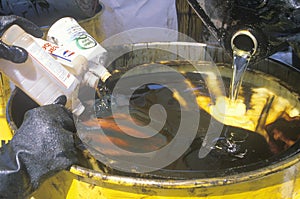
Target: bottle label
x,y
50,65
74,32
85,42
65,56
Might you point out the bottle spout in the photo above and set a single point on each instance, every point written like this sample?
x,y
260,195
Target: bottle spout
x,y
244,40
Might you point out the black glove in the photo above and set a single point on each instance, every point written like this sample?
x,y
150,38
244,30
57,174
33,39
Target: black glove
x,y
14,53
42,146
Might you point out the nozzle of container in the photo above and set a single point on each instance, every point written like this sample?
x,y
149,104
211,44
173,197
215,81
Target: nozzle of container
x,y
77,107
244,40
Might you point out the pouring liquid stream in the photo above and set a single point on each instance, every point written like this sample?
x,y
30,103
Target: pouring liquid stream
x,y
240,63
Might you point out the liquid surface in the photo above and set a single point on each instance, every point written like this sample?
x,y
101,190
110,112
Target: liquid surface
x,y
262,124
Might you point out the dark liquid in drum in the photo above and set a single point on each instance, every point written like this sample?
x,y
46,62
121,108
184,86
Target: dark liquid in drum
x,y
235,148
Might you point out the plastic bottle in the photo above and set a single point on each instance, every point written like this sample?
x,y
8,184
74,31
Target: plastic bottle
x,y
41,77
68,33
72,61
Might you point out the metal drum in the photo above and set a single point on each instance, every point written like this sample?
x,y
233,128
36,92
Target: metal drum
x,y
276,178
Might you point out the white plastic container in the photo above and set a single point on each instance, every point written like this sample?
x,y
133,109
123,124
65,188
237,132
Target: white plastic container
x,y
68,33
41,77
75,63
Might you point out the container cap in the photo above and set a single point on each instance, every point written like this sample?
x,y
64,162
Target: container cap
x,y
12,34
77,107
90,79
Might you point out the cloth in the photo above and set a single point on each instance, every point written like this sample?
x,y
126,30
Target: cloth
x,y
125,15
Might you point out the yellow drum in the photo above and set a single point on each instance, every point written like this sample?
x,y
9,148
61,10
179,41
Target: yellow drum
x,y
274,177
6,133
92,25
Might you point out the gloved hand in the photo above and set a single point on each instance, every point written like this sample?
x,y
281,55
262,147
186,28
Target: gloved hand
x,y
42,146
14,53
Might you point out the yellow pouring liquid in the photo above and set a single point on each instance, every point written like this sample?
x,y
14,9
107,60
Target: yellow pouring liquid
x,y
240,63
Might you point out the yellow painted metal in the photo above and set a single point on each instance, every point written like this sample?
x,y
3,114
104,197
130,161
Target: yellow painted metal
x,y
278,181
6,133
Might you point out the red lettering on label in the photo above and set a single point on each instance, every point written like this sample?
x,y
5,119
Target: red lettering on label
x,y
46,45
50,48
